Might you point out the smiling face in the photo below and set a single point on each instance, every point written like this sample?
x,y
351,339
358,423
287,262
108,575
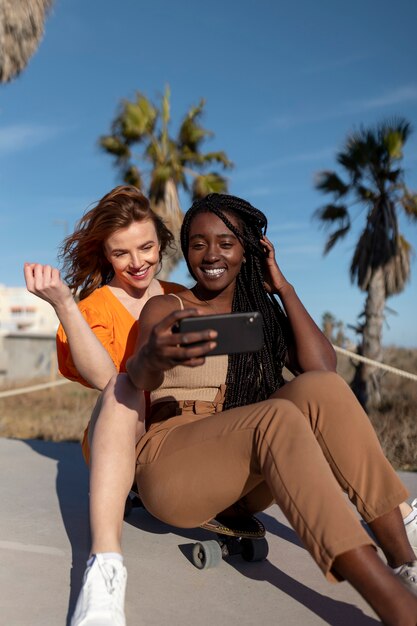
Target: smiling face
x,y
215,254
134,254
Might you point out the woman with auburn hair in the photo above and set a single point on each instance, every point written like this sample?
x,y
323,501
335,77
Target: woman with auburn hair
x,y
110,263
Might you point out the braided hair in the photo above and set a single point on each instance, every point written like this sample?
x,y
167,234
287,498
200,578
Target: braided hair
x,y
251,377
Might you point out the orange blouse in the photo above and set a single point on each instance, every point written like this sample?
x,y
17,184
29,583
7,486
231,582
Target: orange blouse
x,y
113,325
116,330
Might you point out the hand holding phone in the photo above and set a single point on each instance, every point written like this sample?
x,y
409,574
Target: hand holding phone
x,y
236,332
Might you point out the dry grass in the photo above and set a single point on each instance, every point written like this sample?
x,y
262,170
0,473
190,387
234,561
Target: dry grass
x,y
58,414
61,413
395,421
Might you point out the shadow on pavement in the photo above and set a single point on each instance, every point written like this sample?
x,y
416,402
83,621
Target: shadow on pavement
x,y
333,612
72,492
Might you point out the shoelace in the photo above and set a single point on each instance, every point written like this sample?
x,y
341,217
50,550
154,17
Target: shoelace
x,y
110,575
104,596
410,573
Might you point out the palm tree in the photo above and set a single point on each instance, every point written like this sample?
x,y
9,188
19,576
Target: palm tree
x,y
328,323
172,162
21,30
372,162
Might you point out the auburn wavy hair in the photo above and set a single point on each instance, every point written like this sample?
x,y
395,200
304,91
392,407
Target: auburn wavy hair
x,y
82,255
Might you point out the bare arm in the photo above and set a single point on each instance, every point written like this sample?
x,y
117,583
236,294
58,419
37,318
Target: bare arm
x,y
310,349
160,349
91,359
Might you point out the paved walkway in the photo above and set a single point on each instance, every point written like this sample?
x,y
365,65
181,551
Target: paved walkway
x,y
44,545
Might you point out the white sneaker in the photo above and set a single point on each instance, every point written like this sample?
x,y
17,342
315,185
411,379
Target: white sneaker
x,y
411,528
102,596
408,575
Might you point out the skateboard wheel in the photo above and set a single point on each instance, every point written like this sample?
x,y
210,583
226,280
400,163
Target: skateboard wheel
x,y
254,549
206,554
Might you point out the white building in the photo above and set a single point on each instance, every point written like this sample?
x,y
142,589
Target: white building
x,y
27,336
21,311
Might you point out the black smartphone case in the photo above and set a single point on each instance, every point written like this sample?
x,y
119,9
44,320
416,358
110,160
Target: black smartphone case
x,y
237,332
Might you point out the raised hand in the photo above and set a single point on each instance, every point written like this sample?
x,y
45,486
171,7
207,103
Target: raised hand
x,y
45,282
274,279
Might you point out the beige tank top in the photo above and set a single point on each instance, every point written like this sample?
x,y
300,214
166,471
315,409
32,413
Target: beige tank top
x,y
192,383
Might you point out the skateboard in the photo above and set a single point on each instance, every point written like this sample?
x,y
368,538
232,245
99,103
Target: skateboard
x,y
241,534
133,501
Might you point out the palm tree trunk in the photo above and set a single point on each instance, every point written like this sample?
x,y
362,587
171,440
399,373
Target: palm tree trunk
x,y
170,211
366,382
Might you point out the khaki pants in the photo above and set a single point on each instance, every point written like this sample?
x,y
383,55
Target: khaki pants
x,y
299,448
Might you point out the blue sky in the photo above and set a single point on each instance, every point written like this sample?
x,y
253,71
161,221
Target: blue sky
x,y
284,83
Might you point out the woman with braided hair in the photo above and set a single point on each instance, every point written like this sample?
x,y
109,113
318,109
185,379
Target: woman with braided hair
x,y
226,432
249,295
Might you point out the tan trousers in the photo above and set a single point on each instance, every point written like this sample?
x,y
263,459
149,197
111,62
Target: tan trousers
x,y
297,449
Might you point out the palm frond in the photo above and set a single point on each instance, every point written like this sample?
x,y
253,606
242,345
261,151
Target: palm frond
x,y
114,145
409,203
397,271
396,129
331,213
330,182
137,118
365,194
393,175
208,183
21,30
189,157
191,133
348,162
361,267
393,143
375,252
132,176
218,157
335,237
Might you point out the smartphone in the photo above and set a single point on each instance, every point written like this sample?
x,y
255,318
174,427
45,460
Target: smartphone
x,y
237,332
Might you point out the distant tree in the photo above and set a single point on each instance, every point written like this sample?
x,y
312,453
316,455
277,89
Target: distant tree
x,y
375,183
328,322
167,163
21,30
333,329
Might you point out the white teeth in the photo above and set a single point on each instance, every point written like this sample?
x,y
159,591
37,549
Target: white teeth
x,y
141,273
214,272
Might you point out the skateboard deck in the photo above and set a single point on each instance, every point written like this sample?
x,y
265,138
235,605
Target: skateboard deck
x,y
133,501
242,534
247,526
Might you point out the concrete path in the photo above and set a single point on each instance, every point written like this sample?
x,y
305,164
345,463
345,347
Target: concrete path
x,y
44,544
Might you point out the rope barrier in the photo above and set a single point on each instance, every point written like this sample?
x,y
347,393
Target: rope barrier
x,y
383,366
348,353
21,390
